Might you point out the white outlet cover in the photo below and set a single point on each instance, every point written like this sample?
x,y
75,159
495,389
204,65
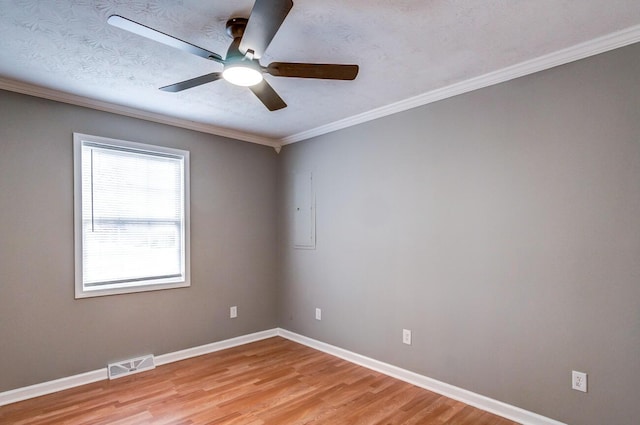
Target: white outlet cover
x,y
318,314
406,336
233,312
579,381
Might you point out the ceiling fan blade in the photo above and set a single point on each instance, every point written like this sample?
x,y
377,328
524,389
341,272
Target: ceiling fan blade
x,y
268,96
313,70
264,21
194,82
160,37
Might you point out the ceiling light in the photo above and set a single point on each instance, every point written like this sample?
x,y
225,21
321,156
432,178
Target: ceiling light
x,y
242,74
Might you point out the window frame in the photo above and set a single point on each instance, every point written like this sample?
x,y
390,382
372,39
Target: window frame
x,y
82,291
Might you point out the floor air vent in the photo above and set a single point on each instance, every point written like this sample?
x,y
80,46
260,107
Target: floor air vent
x,y
131,366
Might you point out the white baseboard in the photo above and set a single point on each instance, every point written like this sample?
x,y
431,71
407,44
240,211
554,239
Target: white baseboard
x,y
214,346
44,388
485,403
499,408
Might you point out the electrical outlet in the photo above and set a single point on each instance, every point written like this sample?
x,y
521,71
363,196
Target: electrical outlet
x,y
318,314
233,312
406,336
579,381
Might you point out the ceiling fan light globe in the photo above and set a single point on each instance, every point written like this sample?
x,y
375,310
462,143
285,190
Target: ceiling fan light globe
x,y
242,75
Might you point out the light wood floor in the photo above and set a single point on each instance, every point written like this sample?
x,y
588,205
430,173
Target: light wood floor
x,y
274,381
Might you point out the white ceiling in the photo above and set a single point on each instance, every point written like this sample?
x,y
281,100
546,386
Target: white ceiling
x,y
409,52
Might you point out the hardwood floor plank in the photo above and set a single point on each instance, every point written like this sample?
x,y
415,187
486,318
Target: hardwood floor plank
x,y
269,382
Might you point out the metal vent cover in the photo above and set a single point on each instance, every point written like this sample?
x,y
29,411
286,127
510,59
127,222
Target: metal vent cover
x,y
131,366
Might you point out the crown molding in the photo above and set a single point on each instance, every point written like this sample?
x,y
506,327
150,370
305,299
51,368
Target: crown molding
x,y
580,51
59,96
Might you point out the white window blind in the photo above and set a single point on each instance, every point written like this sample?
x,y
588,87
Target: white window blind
x,y
133,218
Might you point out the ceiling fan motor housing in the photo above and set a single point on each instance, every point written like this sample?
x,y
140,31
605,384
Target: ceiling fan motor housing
x,y
236,26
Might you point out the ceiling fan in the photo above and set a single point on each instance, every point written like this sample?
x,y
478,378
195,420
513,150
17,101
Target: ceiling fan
x,y
242,67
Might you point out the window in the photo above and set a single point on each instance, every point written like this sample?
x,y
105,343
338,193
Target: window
x,y
131,216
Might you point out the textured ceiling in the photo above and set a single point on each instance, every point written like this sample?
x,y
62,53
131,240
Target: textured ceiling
x,y
404,49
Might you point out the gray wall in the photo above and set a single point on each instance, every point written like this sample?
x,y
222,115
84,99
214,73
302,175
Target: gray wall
x,y
44,332
501,226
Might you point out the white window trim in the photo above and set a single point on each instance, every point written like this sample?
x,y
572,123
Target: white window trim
x,y
125,288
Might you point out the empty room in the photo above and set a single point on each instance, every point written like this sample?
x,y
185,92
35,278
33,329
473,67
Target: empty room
x,y
320,212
